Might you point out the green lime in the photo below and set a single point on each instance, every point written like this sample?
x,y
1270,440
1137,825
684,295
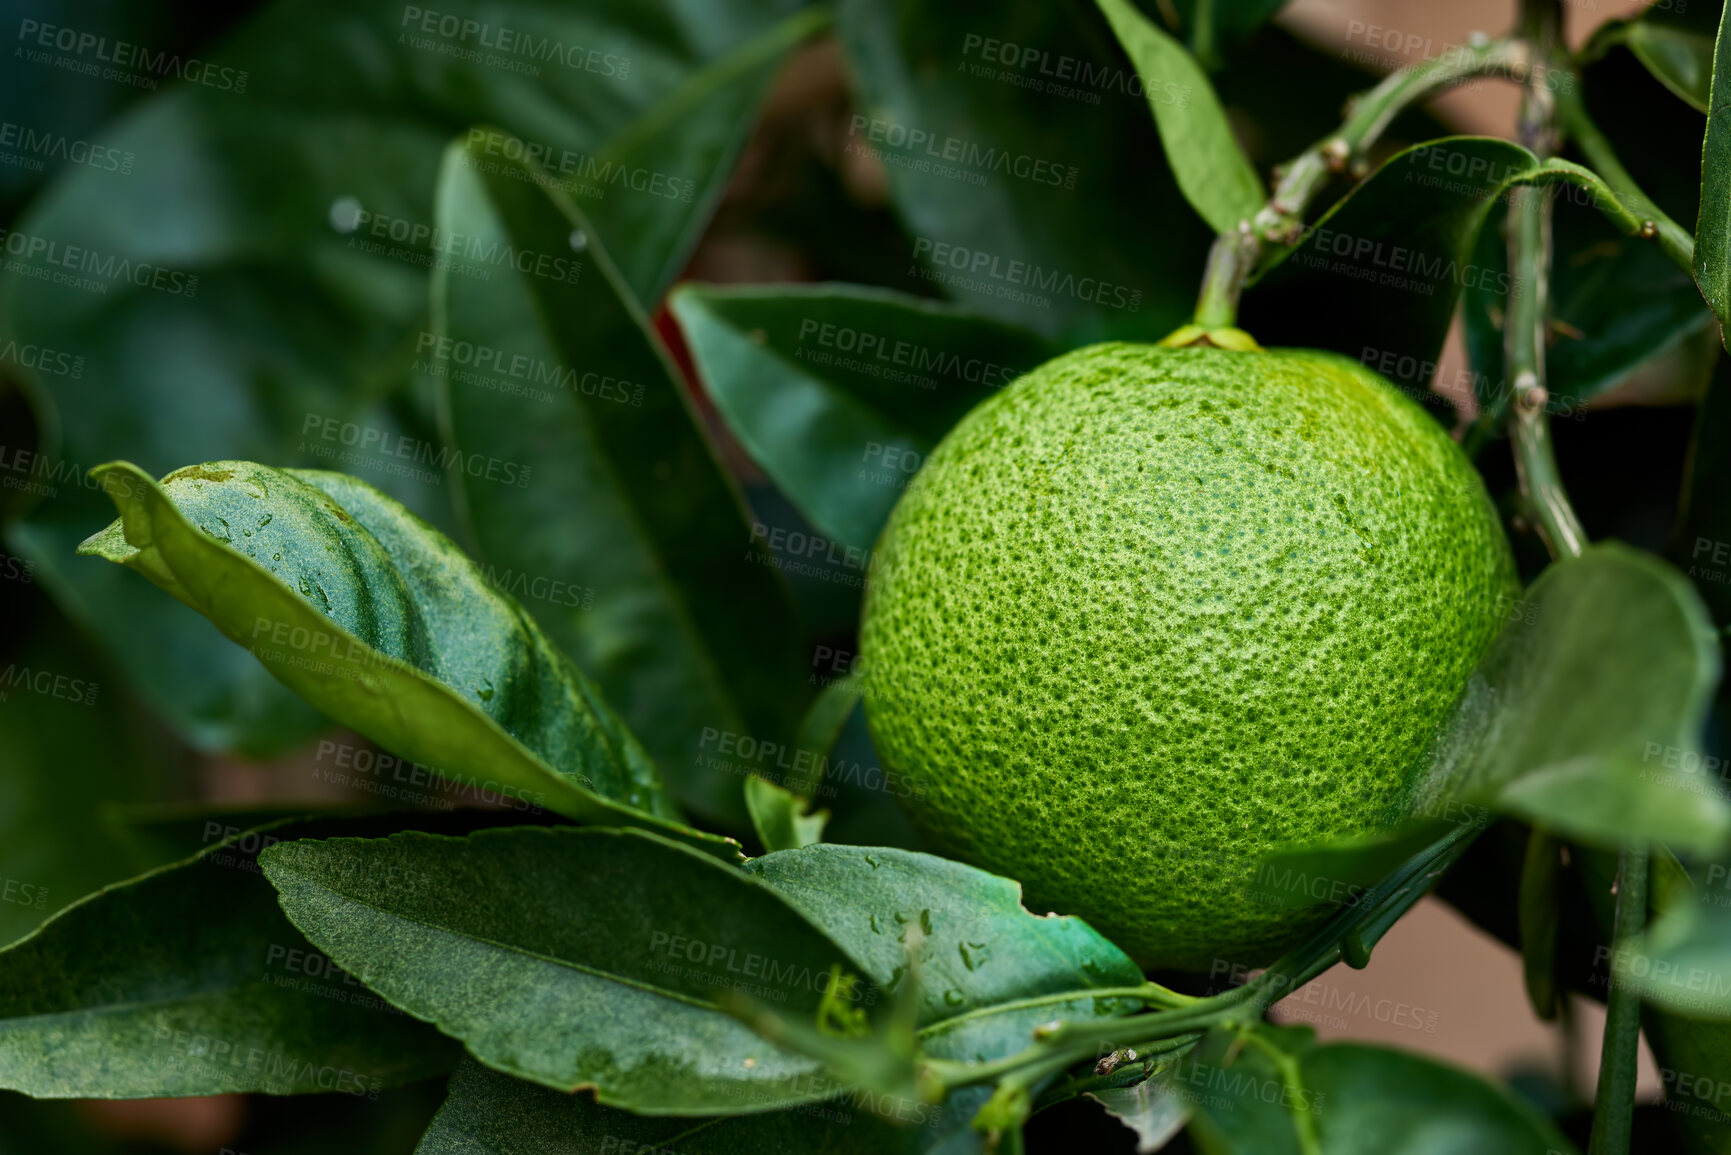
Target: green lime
x,y
1151,612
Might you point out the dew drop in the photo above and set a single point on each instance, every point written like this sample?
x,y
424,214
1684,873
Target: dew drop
x,y
486,691
346,214
953,998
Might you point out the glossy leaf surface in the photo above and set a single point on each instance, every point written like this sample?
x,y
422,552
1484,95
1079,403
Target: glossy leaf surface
x,y
182,982
378,619
573,958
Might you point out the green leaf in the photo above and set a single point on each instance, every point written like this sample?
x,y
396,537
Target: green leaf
x,y
1380,1099
1153,1108
1618,304
972,114
688,629
72,746
575,958
989,971
840,391
1377,276
691,133
1389,261
880,1057
1680,59
1692,1052
490,1112
1702,545
268,259
823,724
1344,871
981,948
1216,177
781,817
1682,963
189,981
1713,226
1693,1057
62,105
1539,918
1360,1100
1211,26
1606,672
1595,689
380,621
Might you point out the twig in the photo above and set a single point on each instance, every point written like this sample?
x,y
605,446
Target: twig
x,y
1524,328
1236,253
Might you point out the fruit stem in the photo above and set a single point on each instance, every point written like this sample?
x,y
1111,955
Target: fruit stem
x,y
1229,263
1614,1104
1237,252
1526,316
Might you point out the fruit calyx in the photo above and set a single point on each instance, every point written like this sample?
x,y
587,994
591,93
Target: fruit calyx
x,y
1221,337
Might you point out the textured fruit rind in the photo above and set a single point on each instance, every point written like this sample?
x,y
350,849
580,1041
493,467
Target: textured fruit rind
x,y
1150,613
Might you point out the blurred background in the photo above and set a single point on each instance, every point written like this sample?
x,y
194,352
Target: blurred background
x,y
93,787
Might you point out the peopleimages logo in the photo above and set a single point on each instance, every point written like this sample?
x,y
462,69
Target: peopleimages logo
x,y
121,60
461,31
893,358
990,273
47,684
42,359
1041,70
58,263
487,362
481,253
580,172
938,152
38,474
1397,266
368,439
31,148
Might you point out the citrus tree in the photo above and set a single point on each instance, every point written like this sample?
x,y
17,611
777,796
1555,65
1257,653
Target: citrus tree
x,y
369,412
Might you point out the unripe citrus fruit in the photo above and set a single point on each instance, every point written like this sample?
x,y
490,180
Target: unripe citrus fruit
x,y
1151,612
